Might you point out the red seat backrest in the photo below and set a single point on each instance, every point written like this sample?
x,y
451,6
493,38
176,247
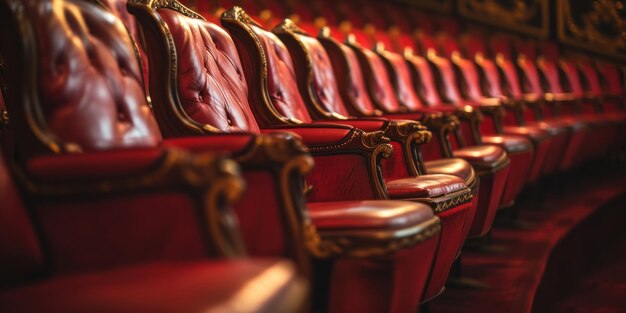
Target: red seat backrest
x,y
526,60
501,47
211,84
278,88
548,64
322,86
96,64
591,77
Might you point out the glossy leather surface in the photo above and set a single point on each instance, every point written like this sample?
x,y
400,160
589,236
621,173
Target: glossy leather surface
x,y
481,154
281,76
100,68
451,166
162,287
363,215
380,87
526,61
405,88
425,81
424,186
211,85
323,83
511,143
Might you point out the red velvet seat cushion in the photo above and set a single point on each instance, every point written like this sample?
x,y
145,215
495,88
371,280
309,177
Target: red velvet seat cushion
x,y
424,186
511,143
354,215
535,133
480,154
450,166
224,286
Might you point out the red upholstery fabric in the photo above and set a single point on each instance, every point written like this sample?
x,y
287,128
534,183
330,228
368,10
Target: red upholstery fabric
x,y
425,81
346,216
157,225
381,90
120,163
260,217
347,173
346,64
226,142
20,251
393,279
211,85
97,69
457,221
405,89
281,77
480,154
424,186
323,83
162,287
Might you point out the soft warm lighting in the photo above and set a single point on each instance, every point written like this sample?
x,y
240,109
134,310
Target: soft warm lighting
x,y
253,295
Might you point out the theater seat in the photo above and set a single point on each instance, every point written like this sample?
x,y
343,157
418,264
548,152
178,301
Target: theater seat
x,y
360,66
279,102
542,110
208,95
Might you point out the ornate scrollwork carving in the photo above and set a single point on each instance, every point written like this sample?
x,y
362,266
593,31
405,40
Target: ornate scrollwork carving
x,y
372,139
599,25
322,246
442,206
411,135
239,14
527,16
289,26
168,4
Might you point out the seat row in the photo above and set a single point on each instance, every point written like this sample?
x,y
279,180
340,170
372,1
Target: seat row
x,y
120,120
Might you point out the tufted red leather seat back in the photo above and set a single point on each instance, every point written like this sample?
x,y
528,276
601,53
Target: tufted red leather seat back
x,y
346,65
501,48
95,63
611,77
403,82
281,77
592,80
211,84
20,253
323,83
476,50
526,57
380,87
573,78
425,81
548,64
468,73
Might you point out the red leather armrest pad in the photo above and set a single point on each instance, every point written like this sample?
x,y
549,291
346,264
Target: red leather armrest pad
x,y
315,134
104,164
228,142
366,124
161,287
